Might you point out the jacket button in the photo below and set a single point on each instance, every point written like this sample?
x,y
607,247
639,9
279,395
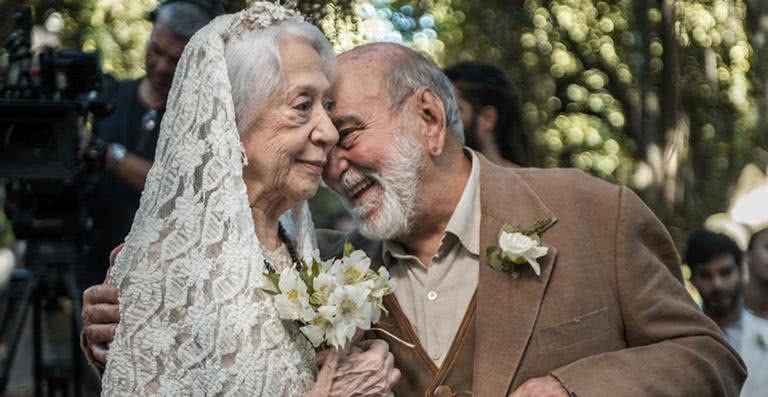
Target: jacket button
x,y
443,391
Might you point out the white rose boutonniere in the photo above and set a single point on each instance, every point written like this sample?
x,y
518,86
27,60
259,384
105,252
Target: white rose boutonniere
x,y
518,246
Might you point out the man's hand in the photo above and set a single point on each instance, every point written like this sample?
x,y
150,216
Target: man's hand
x,y
366,370
545,386
101,314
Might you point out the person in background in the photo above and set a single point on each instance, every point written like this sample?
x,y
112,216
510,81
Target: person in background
x,y
127,137
490,113
756,290
716,265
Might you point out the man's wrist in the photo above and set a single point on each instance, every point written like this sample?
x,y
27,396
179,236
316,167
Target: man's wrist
x,y
116,153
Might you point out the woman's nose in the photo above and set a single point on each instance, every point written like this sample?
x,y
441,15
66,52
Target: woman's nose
x,y
325,133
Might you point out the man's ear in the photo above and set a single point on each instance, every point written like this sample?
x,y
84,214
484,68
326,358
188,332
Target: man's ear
x,y
431,114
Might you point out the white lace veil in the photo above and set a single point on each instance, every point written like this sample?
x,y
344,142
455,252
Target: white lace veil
x,y
192,319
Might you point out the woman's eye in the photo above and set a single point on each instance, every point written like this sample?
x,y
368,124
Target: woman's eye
x,y
328,105
303,106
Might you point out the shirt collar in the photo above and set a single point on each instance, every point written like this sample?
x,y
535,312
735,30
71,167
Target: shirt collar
x,y
464,222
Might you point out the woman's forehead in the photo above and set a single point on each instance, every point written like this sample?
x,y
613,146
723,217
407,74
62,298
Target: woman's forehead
x,y
301,64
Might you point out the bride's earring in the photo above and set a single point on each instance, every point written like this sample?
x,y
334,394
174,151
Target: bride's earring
x,y
245,155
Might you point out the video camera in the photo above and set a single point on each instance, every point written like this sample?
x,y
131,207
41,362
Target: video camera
x,y
45,98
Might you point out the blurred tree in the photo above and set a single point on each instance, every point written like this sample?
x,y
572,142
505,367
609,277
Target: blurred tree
x,y
654,94
657,94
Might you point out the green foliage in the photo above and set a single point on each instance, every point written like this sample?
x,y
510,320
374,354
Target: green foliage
x,y
6,233
659,95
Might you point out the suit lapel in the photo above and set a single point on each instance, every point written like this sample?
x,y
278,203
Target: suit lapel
x,y
507,308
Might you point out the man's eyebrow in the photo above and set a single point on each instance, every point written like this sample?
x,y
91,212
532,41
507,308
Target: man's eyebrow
x,y
347,119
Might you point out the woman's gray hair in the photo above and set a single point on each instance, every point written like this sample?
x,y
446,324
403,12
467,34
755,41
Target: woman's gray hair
x,y
182,19
414,71
255,68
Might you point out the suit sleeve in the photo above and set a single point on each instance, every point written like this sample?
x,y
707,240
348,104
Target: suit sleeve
x,y
673,349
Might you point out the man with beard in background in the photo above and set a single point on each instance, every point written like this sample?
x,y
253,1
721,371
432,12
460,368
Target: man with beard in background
x,y
717,273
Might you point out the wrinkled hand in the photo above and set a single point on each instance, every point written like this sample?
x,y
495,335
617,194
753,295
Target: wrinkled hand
x,y
101,314
328,362
367,369
545,386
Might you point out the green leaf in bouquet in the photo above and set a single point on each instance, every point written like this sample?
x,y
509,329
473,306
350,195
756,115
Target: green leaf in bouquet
x,y
317,299
272,282
315,268
307,278
348,248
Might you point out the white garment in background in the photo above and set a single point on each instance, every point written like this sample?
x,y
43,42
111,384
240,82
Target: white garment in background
x,y
750,338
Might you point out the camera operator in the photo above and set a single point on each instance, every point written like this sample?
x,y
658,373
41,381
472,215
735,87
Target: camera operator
x,y
128,136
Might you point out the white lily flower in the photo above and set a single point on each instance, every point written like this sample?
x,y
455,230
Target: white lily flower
x,y
352,306
383,284
293,301
351,269
324,285
321,327
346,296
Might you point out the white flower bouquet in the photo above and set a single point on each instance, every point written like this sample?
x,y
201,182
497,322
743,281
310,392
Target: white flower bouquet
x,y
331,299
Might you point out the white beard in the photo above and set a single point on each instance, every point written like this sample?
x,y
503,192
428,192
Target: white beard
x,y
398,182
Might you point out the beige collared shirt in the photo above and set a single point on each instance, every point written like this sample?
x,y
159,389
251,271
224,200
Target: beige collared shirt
x,y
435,298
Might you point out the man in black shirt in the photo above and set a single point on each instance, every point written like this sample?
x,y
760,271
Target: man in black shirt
x,y
129,134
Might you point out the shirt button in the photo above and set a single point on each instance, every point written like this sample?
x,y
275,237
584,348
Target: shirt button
x,y
435,355
443,391
431,295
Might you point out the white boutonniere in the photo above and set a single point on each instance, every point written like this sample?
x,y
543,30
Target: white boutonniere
x,y
519,246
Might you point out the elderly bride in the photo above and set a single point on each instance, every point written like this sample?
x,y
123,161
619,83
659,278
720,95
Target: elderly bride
x,y
242,146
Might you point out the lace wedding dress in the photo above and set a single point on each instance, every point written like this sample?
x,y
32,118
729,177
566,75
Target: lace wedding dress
x,y
193,321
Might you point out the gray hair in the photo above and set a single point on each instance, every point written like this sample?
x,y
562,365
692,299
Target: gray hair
x,y
255,68
182,19
413,71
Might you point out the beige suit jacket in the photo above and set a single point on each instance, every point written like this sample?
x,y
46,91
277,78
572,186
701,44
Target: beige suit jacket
x,y
608,316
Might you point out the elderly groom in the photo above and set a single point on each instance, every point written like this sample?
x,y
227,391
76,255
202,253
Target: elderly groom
x,y
605,314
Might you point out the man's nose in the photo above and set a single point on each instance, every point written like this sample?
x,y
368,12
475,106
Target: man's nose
x,y
718,282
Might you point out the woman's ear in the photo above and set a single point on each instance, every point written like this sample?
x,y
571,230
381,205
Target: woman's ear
x,y
432,118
